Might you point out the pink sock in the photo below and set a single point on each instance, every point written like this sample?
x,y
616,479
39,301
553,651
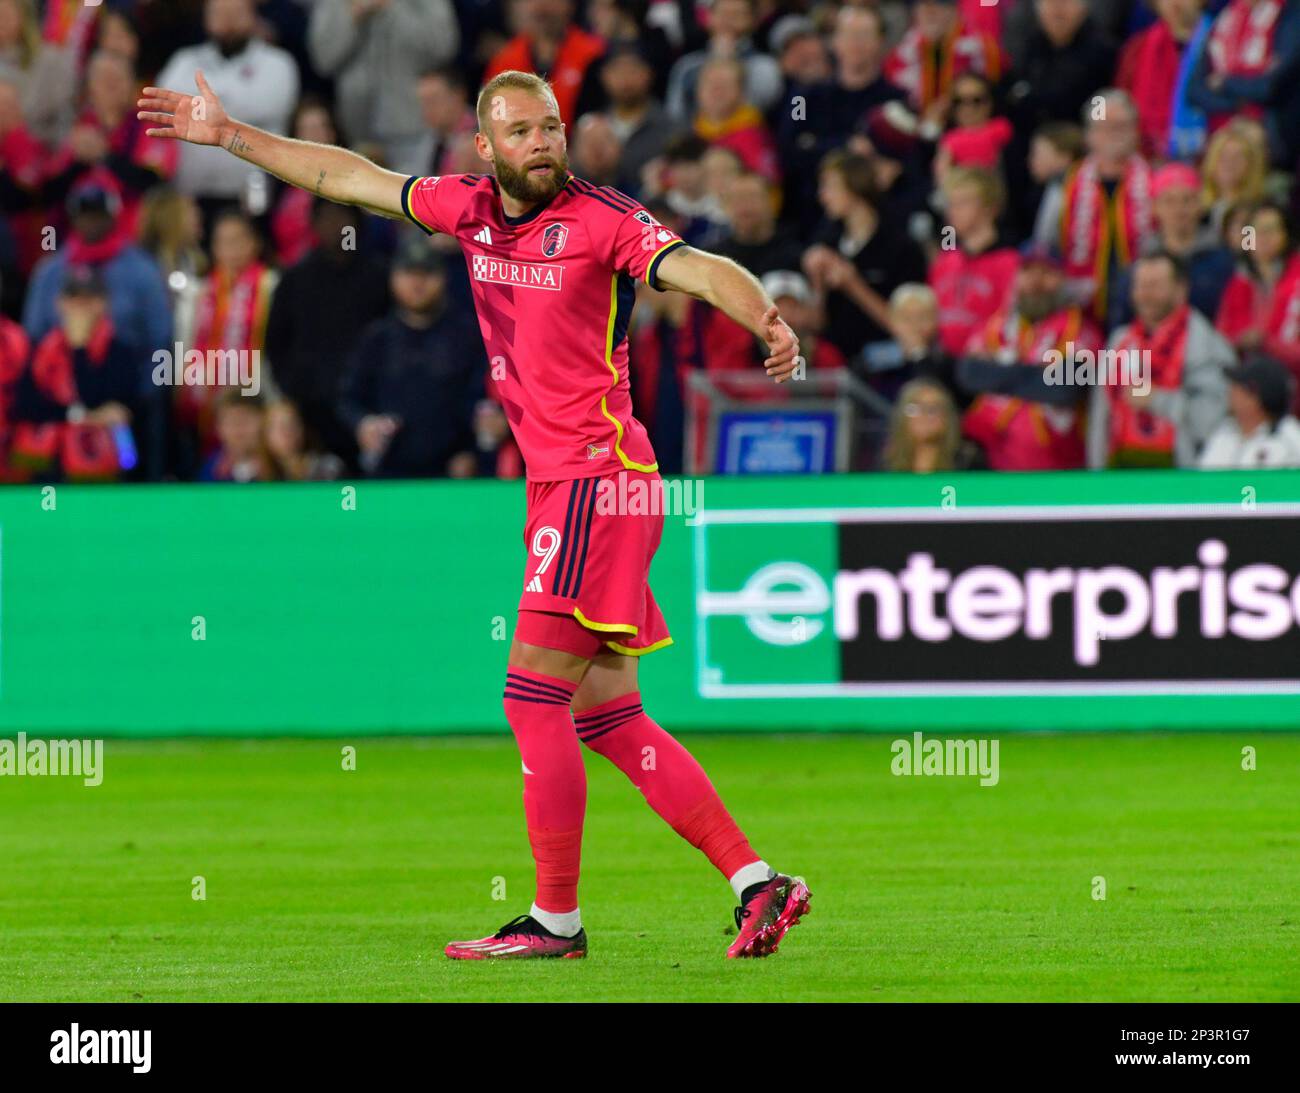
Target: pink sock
x,y
669,778
555,782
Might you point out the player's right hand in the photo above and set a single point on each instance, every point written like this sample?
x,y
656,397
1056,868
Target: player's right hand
x,y
198,119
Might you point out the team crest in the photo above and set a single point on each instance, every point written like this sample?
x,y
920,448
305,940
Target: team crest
x,y
553,240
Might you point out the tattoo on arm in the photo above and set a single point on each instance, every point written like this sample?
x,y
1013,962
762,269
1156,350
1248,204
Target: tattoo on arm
x,y
238,144
320,184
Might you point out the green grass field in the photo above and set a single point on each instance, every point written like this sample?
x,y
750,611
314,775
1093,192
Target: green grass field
x,y
324,884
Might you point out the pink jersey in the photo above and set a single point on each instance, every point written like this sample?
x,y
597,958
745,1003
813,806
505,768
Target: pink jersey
x,y
554,290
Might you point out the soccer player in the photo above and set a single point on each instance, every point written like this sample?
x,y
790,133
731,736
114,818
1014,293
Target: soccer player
x,y
552,262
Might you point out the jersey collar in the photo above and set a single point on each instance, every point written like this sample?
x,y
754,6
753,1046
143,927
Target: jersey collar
x,y
534,212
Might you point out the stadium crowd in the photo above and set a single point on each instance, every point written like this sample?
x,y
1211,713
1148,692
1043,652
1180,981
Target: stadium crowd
x,y
963,203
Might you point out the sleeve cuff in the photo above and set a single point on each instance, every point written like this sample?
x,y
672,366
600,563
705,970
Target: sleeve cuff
x,y
652,269
406,205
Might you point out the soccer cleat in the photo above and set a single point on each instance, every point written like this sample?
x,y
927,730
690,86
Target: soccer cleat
x,y
764,919
521,938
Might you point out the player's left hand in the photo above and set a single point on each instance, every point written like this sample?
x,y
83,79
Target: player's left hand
x,y
782,346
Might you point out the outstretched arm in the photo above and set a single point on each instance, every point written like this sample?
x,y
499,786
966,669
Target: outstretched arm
x,y
325,170
736,292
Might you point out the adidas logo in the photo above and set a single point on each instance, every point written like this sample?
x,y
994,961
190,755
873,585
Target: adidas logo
x,y
535,585
484,236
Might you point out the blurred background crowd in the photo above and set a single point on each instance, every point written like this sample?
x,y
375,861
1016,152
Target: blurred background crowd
x,y
943,197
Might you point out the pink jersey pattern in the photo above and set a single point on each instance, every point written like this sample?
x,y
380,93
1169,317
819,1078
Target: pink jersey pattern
x,y
554,291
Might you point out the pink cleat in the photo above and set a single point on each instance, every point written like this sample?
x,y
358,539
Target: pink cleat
x,y
768,914
521,938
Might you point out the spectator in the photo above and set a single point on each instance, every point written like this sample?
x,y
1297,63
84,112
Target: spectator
x,y
1260,431
15,349
44,74
1064,60
171,232
117,34
319,312
890,137
1106,218
73,406
925,432
1155,67
594,150
638,120
1260,311
800,51
286,445
679,178
1026,415
241,454
376,51
725,119
1176,189
754,238
975,137
291,220
416,377
446,112
859,257
731,26
626,23
937,48
552,45
1234,168
1250,66
828,111
258,83
24,160
913,350
98,238
1171,394
975,269
229,324
107,137
1055,150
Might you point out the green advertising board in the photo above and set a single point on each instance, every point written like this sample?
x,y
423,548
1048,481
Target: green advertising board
x,y
1117,601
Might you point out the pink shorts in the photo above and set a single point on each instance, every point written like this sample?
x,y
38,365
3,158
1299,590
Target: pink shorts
x,y
589,546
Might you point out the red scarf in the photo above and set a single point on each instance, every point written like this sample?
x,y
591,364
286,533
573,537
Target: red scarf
x,y
1015,433
1241,44
1093,226
231,315
84,452
83,253
232,312
1150,74
926,70
71,23
1138,436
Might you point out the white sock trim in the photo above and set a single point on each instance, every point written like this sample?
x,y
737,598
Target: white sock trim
x,y
753,873
565,924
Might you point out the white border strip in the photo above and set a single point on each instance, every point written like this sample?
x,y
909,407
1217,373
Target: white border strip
x,y
1079,688
1136,510
985,513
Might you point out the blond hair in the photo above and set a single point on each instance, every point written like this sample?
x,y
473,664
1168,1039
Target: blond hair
x,y
900,449
1250,135
510,80
988,184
